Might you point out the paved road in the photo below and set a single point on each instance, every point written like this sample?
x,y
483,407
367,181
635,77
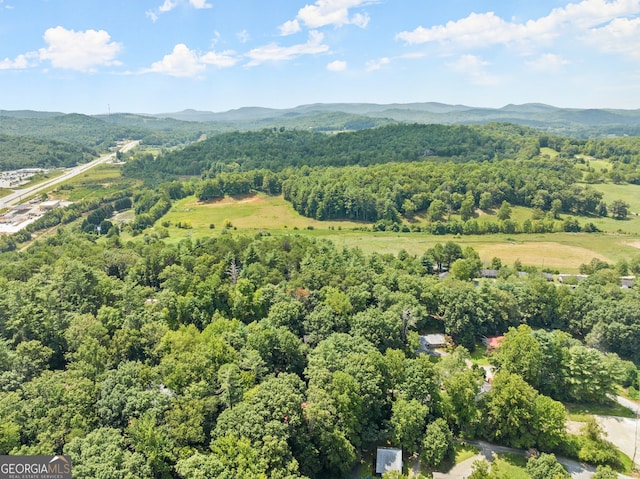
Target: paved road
x,y
19,195
488,451
622,431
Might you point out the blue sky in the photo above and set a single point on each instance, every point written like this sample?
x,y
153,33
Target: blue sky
x,y
154,56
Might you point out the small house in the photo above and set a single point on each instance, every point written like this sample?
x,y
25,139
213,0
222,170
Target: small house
x,y
492,342
489,273
388,459
433,341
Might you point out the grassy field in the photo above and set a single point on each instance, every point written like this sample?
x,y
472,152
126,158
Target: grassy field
x,y
508,465
627,192
550,152
101,180
254,213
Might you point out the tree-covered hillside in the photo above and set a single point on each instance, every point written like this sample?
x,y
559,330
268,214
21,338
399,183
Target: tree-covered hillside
x,y
27,152
276,149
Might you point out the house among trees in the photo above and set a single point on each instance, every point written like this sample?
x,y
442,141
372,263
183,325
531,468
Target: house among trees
x,y
430,342
492,342
489,273
571,279
388,459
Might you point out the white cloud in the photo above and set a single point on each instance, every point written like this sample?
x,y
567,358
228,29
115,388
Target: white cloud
x,y
21,62
275,52
290,27
221,60
82,51
243,36
183,62
473,67
548,62
200,4
621,36
169,5
337,66
327,12
476,29
373,65
481,30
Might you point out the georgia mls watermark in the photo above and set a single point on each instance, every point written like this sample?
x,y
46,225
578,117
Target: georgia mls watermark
x,y
35,467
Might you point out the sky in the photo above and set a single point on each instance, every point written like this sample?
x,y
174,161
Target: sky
x,y
160,56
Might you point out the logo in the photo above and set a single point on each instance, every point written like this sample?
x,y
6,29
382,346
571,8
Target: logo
x,y
35,467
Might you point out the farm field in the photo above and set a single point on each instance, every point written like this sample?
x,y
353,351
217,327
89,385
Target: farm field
x,y
99,181
254,213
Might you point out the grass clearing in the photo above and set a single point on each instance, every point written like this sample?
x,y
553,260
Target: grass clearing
x,y
581,412
101,180
465,451
627,192
509,465
254,213
480,356
550,152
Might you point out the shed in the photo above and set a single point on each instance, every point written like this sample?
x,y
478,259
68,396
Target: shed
x,y
49,205
431,341
388,459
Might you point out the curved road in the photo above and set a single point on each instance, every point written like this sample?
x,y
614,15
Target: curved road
x,y
19,195
488,451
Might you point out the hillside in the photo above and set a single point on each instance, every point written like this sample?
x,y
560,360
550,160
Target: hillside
x,y
276,149
26,152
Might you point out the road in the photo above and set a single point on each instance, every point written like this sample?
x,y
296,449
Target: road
x,y
21,194
622,431
488,451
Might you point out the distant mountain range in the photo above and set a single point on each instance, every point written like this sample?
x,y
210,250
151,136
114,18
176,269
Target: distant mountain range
x,y
566,121
571,122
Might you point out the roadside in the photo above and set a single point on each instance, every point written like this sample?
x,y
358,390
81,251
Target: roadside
x,y
20,194
623,432
488,451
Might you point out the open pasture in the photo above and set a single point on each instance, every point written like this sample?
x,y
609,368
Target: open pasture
x,y
254,213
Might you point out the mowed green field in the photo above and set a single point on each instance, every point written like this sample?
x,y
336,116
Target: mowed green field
x,y
254,213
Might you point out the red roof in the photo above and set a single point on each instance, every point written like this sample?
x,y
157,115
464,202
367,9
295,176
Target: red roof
x,y
494,341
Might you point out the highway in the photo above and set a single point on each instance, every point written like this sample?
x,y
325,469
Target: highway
x,y
21,194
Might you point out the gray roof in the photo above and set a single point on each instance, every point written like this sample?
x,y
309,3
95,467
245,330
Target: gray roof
x,y
433,340
388,459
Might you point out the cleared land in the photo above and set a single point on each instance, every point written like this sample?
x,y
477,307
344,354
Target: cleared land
x,y
254,213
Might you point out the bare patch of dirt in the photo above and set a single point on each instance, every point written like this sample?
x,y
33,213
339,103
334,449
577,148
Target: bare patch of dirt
x,y
573,427
635,244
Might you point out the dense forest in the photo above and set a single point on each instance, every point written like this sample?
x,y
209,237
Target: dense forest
x,y
285,357
276,149
27,152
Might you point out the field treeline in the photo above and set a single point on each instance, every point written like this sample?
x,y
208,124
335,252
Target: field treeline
x,y
288,357
387,192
